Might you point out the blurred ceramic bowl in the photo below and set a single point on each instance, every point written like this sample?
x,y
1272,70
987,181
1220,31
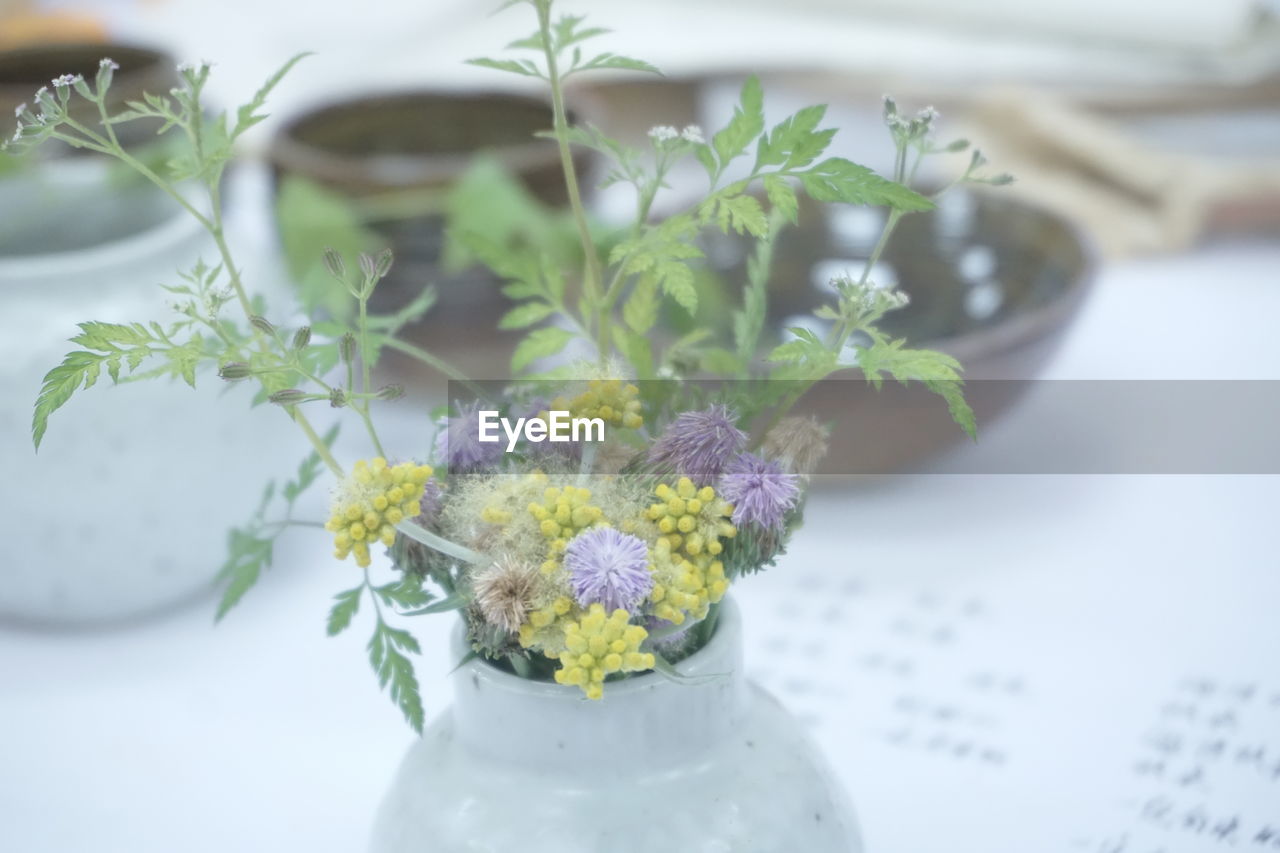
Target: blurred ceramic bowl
x,y
24,70
125,510
409,149
992,281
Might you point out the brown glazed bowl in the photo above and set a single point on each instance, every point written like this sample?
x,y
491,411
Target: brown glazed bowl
x,y
24,70
992,281
418,144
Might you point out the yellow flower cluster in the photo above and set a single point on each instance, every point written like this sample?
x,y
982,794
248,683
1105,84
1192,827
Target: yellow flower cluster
x,y
608,399
511,494
544,627
693,520
599,645
370,502
687,576
684,587
565,512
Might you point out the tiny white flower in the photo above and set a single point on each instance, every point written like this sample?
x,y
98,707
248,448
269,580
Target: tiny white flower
x,y
928,115
19,110
692,133
108,62
186,67
66,80
17,134
663,133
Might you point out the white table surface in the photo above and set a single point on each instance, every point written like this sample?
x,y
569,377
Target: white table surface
x,y
1083,598
982,657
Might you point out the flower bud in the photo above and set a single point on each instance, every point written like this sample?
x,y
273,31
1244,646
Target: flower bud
x,y
233,371
262,324
302,338
107,68
288,397
383,263
337,398
390,392
368,266
347,348
890,107
334,264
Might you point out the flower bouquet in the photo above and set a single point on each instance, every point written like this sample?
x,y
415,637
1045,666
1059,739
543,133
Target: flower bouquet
x,y
586,519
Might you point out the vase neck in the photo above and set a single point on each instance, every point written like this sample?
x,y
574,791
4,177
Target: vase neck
x,y
643,721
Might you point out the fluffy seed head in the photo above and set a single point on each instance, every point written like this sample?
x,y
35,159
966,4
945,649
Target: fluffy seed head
x,y
504,592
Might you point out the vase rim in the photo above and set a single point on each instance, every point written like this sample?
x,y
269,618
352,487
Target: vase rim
x,y
702,663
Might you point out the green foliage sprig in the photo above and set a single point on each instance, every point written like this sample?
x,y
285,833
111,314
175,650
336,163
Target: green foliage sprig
x,y
613,300
621,296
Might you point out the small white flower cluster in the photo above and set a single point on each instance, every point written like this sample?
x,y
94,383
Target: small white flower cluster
x,y
49,106
692,133
667,133
915,128
869,297
108,62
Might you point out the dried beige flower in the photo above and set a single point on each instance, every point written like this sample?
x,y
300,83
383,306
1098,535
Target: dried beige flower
x,y
504,592
798,443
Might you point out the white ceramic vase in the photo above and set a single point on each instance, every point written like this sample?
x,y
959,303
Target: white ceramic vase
x,y
708,767
125,509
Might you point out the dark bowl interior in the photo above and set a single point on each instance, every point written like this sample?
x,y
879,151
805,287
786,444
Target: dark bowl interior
x,y
987,276
992,281
421,143
419,140
24,70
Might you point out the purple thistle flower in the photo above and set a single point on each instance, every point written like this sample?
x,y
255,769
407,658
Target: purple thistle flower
x,y
458,443
609,568
698,444
760,491
549,451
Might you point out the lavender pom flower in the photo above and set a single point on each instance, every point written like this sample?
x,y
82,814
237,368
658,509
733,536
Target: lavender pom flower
x,y
458,443
760,491
698,444
609,568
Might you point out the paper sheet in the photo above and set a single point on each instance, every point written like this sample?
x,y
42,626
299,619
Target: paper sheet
x,y
1037,702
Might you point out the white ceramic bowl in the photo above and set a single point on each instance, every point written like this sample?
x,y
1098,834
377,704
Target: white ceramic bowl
x,y
126,507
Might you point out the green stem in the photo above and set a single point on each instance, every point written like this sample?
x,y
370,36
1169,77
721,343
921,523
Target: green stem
x,y
322,449
363,412
593,275
436,362
841,333
421,534
520,664
120,154
365,369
